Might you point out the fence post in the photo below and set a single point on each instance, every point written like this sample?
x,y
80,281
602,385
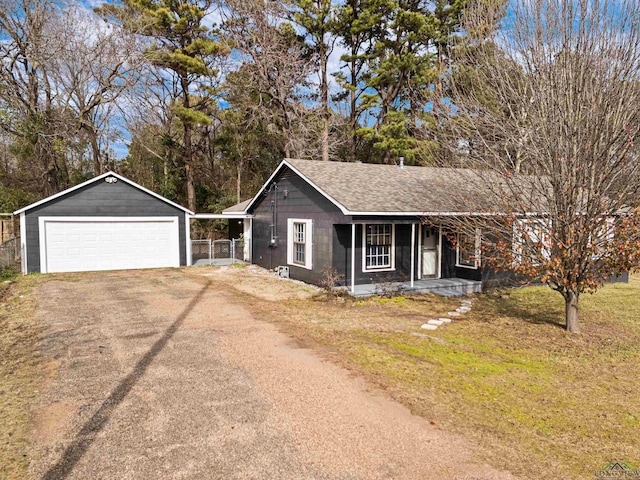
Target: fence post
x,y
210,253
233,250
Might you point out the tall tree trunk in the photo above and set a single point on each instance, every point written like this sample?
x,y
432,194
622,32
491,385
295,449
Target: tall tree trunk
x,y
188,169
324,93
287,142
188,149
239,182
571,311
165,172
95,150
353,114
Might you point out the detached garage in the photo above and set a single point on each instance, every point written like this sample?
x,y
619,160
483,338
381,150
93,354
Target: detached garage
x,y
106,223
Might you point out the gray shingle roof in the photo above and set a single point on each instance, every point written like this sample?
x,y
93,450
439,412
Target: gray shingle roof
x,y
238,207
368,188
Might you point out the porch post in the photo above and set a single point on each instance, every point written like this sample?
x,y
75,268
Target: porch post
x,y
353,258
413,252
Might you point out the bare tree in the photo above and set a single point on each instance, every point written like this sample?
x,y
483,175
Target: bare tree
x,y
273,66
150,120
556,82
96,63
31,115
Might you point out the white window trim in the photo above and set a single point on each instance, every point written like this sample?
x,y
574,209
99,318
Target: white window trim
x,y
519,230
42,232
605,234
308,232
392,268
477,253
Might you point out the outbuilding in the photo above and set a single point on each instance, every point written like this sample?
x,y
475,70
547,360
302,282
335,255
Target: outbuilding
x,y
106,223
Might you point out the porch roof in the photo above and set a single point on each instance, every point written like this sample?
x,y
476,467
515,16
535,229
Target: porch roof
x,y
237,208
220,216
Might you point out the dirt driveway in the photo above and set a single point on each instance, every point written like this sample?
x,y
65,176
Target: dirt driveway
x,y
160,375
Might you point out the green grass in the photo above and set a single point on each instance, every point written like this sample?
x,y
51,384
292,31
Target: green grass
x,y
542,402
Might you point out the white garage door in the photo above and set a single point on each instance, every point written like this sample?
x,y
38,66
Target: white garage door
x,y
80,244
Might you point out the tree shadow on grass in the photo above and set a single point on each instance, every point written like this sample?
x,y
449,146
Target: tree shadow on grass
x,y
543,314
87,435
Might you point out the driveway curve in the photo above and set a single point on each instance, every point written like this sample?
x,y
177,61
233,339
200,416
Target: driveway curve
x,y
156,374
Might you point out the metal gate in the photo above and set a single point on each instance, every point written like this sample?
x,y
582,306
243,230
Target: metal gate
x,y
220,252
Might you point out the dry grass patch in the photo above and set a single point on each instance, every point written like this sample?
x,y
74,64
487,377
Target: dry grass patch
x,y
541,401
19,373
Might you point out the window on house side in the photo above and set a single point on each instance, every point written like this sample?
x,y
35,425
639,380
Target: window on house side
x,y
468,250
299,245
531,241
379,245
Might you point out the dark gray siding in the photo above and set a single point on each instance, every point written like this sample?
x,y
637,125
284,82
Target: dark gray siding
x,y
301,201
342,254
100,199
449,268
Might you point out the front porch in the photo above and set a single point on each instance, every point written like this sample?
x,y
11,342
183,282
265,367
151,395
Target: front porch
x,y
448,287
403,255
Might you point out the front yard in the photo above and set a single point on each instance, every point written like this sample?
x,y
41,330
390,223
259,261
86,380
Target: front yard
x,y
541,401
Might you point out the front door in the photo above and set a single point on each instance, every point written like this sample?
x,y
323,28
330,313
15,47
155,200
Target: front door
x,y
429,251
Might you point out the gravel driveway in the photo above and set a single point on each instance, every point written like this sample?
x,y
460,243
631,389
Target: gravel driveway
x,y
157,375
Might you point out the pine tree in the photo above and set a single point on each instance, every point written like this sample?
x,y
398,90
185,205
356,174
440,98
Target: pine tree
x,y
317,18
182,44
397,49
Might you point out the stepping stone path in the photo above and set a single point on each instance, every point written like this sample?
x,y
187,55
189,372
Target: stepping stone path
x,y
426,326
465,307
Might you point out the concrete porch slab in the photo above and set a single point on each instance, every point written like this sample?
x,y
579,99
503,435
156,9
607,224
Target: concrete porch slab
x,y
440,286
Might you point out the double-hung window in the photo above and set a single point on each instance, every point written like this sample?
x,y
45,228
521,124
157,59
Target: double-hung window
x,y
531,241
299,243
468,250
378,247
299,246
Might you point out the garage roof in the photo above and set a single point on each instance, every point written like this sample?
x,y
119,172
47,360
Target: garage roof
x,y
96,179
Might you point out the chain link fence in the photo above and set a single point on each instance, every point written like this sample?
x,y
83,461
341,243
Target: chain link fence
x,y
10,253
220,252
